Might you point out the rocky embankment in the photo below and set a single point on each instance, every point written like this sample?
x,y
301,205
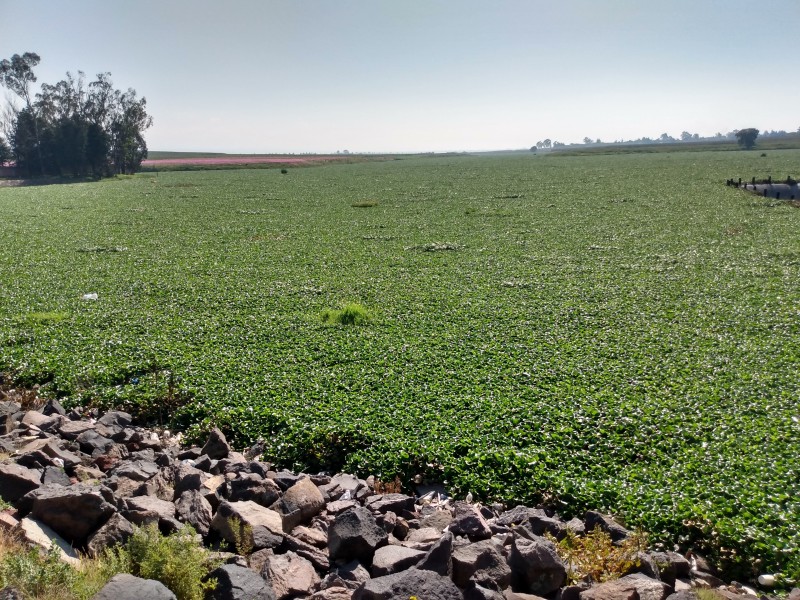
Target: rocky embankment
x,y
86,480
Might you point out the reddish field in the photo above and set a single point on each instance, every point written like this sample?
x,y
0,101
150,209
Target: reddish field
x,y
240,160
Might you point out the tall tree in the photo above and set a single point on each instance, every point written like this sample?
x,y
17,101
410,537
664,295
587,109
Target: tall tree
x,y
17,75
746,138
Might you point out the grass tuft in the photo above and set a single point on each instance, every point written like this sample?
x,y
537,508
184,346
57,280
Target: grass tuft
x,y
350,314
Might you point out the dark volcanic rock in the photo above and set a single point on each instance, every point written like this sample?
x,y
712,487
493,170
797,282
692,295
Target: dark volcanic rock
x,y
355,534
217,446
128,587
413,582
239,583
535,566
16,481
73,512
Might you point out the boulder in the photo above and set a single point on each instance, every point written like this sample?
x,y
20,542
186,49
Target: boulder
x,y
38,534
354,534
594,519
391,559
187,477
94,444
405,584
250,486
439,558
149,504
535,566
128,587
74,512
217,446
239,583
117,530
469,522
397,503
289,575
195,510
259,527
317,557
299,504
16,481
481,562
633,587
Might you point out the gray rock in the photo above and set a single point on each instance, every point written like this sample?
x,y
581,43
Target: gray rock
x,y
53,450
94,444
115,420
535,520
36,533
413,582
16,481
475,591
284,479
217,446
239,583
70,430
53,407
391,559
437,520
289,575
7,420
115,531
195,510
187,477
632,587
594,519
299,504
353,574
316,556
469,522
397,503
259,527
482,563
149,504
128,587
535,566
691,595
73,512
55,475
439,558
355,534
251,486
138,470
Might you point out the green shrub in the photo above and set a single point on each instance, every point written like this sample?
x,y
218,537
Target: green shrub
x,y
179,560
595,558
351,314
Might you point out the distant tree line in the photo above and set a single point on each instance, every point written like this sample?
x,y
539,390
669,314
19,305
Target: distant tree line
x,y
71,128
744,137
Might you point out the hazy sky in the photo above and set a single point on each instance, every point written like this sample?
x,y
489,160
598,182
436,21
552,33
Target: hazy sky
x,y
414,75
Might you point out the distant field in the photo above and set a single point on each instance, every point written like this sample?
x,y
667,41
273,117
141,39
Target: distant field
x,y
616,332
187,161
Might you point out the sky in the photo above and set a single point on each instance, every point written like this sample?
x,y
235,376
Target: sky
x,y
296,76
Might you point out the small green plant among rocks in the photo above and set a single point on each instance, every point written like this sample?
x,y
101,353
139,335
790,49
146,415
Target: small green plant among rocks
x,y
179,560
350,314
594,558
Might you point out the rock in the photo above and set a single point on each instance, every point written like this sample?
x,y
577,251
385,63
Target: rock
x,y
250,486
426,585
160,485
633,587
284,479
7,420
53,450
38,534
684,595
437,520
469,522
299,504
391,559
115,531
311,536
339,506
149,504
53,407
424,535
289,575
794,594
186,478
397,503
74,512
576,526
94,444
259,527
439,558
482,563
16,481
353,574
535,566
217,446
316,556
475,591
70,430
535,520
37,419
138,470
594,519
239,583
128,587
195,510
115,420
355,534
55,475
